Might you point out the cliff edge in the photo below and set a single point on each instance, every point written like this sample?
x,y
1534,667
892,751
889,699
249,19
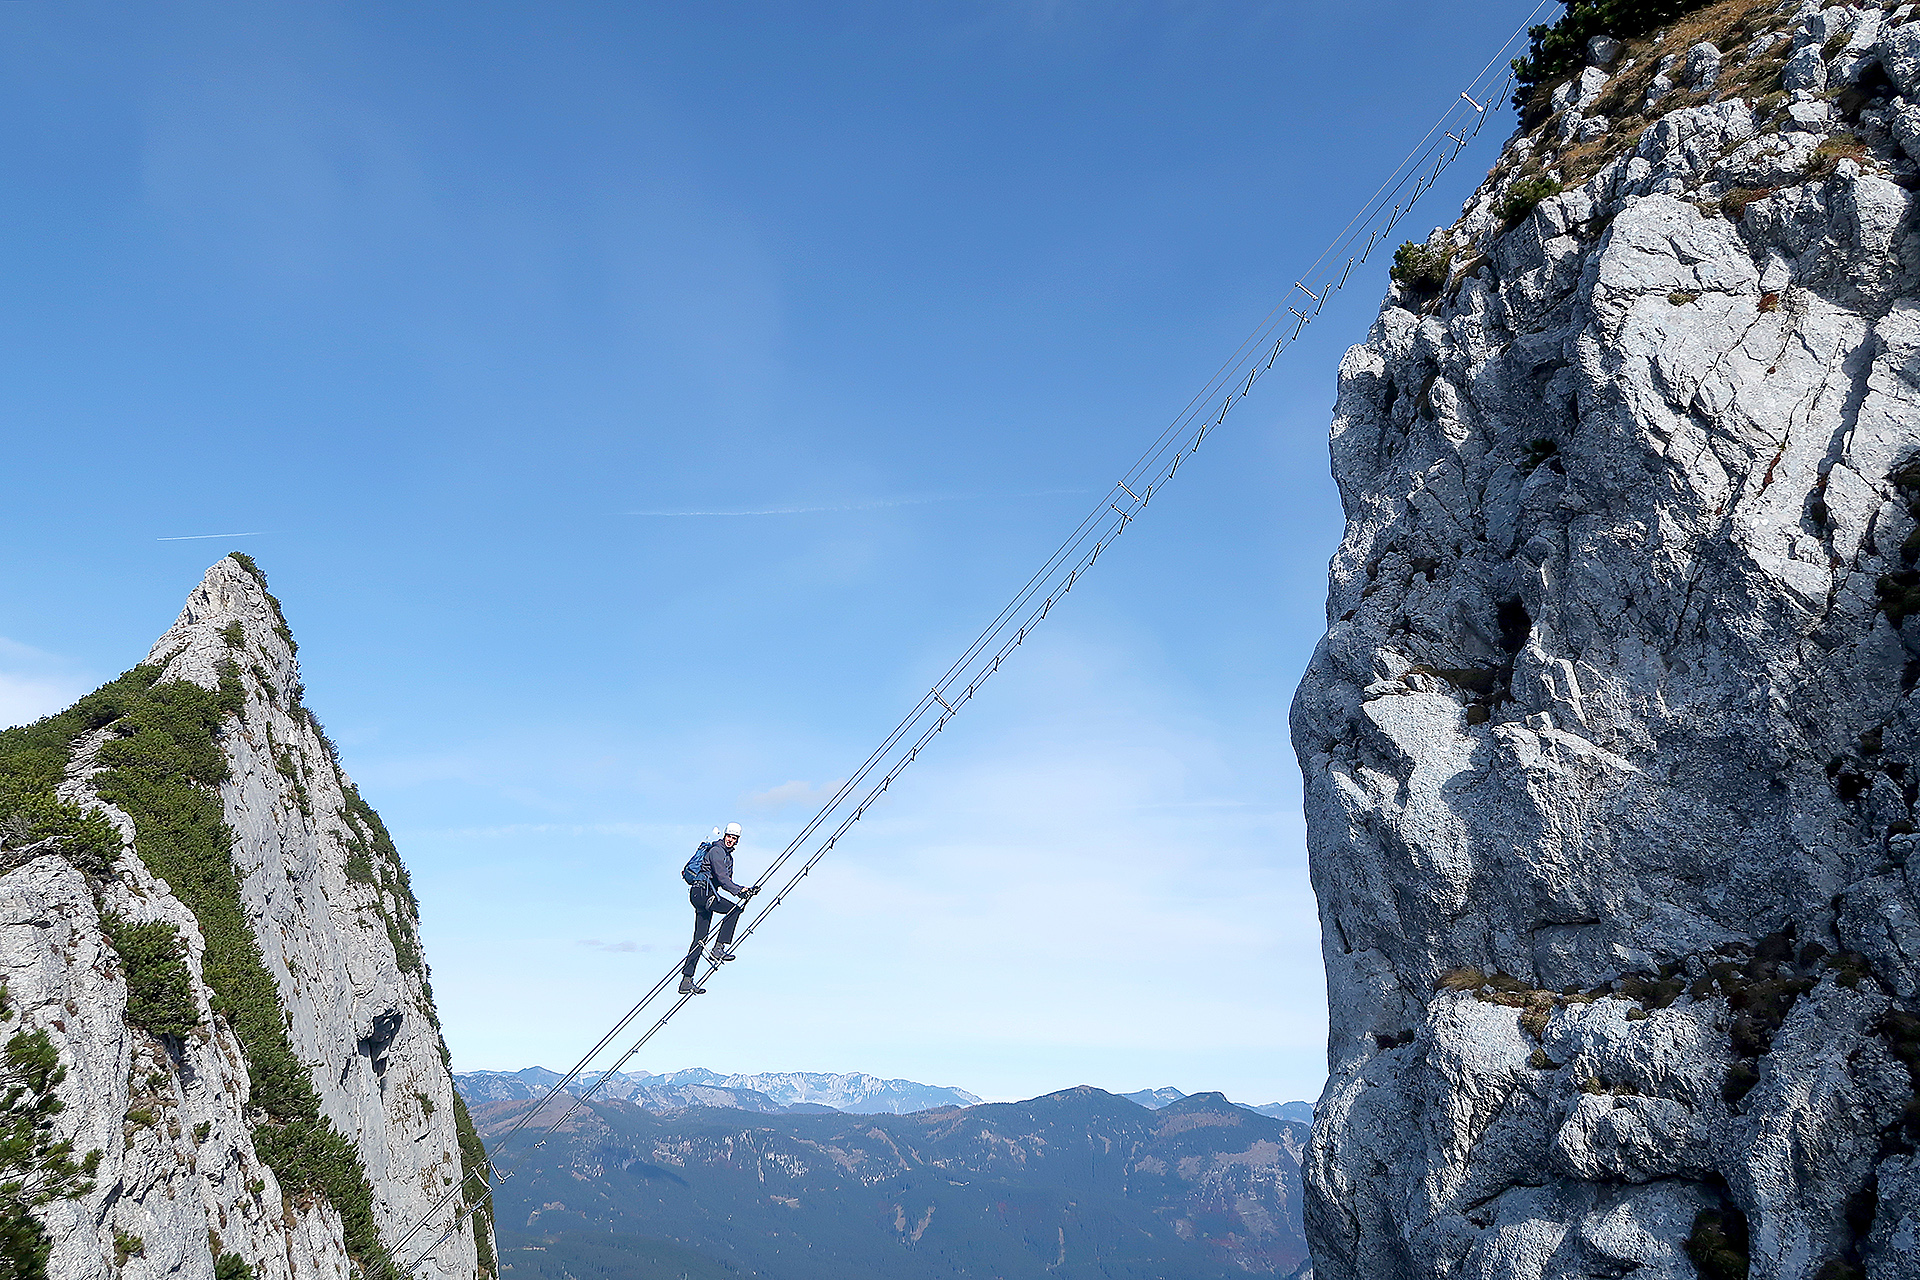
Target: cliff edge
x,y
1612,748
222,1051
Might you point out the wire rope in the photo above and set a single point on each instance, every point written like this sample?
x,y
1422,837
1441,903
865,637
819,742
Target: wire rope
x,y
1030,605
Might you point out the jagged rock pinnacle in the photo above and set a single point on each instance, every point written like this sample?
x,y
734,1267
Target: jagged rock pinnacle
x,y
235,986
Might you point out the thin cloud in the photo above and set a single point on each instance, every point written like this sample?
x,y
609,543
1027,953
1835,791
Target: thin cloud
x,y
790,793
34,683
511,829
623,946
196,537
874,505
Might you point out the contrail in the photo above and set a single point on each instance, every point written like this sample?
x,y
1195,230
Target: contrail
x,y
860,506
193,537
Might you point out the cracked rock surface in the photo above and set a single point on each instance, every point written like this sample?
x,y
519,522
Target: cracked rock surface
x,y
1612,746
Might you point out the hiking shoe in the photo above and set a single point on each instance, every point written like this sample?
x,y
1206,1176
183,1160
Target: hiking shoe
x,y
721,955
688,989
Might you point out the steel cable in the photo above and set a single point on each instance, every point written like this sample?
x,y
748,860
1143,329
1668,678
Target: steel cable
x,y
1057,576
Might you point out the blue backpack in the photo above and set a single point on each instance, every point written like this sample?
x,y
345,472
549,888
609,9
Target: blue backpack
x,y
698,870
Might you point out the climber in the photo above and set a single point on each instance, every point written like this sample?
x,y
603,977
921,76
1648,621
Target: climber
x,y
706,873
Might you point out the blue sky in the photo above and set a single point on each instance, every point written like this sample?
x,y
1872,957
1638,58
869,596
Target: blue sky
x,y
442,305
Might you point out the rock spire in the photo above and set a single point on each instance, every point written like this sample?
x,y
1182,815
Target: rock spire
x,y
229,972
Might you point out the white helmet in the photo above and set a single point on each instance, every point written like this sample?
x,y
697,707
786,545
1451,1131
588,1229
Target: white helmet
x,y
733,828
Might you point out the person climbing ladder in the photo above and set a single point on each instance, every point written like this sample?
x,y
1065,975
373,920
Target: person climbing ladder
x,y
706,873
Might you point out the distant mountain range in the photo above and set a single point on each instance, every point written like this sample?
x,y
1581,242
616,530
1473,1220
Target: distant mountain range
x,y
768,1093
1072,1186
781,1092
1154,1099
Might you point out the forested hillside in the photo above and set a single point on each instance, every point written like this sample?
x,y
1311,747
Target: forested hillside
x,y
1077,1185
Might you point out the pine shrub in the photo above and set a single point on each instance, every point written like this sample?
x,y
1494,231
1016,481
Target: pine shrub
x,y
159,984
231,1266
34,1169
163,769
1556,49
1418,267
473,1166
1523,197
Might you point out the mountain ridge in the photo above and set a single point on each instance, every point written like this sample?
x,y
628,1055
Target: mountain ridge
x,y
1079,1183
1154,1099
770,1092
782,1092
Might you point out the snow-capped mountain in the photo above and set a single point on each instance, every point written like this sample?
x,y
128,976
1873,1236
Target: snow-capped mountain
x,y
766,1092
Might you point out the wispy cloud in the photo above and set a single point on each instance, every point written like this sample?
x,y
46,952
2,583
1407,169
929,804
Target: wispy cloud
x,y
622,946
871,505
1080,844
196,537
513,829
792,793
34,683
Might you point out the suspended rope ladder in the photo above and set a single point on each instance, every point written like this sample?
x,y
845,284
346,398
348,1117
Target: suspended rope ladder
x,y
1365,233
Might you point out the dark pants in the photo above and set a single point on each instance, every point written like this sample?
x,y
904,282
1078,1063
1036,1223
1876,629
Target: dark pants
x,y
706,902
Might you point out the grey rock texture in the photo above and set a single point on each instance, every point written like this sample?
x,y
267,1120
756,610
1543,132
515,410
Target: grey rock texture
x,y
1611,748
179,1167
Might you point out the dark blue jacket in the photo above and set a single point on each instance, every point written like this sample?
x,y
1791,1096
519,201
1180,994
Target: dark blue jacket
x,y
720,867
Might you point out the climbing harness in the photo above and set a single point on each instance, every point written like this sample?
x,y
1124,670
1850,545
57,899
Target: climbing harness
x,y
1112,516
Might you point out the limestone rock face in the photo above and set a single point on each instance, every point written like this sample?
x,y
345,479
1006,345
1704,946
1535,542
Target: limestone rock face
x,y
182,1178
1611,748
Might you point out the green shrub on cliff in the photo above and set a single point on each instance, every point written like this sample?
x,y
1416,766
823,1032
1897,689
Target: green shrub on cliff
x,y
161,763
34,1169
473,1167
280,627
33,762
159,984
1558,48
1418,267
163,768
1523,197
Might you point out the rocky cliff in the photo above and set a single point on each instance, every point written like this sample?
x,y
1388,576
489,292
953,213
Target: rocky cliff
x,y
1612,746
212,967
